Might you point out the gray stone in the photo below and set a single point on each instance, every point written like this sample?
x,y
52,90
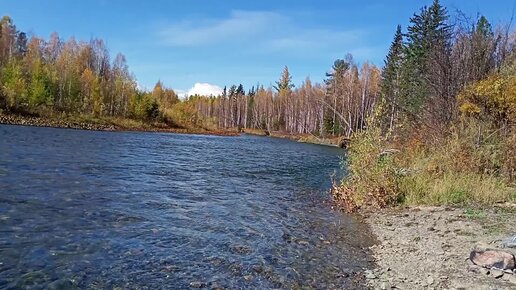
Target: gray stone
x,y
241,249
63,284
197,284
474,268
493,259
496,273
430,280
510,242
369,274
385,286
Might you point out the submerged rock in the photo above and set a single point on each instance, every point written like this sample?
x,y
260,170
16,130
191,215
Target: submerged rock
x,y
493,259
63,284
241,249
197,284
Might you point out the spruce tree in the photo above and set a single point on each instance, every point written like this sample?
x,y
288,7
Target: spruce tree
x,y
428,43
391,78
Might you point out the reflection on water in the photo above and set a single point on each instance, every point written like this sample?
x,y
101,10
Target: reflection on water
x,y
100,210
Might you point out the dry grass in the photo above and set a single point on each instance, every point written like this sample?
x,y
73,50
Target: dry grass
x,y
463,168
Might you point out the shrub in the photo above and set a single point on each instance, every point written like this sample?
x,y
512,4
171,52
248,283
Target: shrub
x,y
373,176
474,165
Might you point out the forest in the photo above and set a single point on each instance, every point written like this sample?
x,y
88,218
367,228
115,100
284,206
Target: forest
x,y
54,77
435,124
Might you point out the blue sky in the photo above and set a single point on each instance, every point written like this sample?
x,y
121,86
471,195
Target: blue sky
x,y
185,42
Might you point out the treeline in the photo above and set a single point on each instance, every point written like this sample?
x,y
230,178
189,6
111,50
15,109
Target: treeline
x,y
340,106
51,76
426,69
443,131
433,61
428,66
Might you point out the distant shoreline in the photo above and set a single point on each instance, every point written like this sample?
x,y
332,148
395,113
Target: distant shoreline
x,y
90,123
339,142
103,124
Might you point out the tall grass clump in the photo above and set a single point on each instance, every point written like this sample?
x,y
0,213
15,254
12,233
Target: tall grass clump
x,y
373,174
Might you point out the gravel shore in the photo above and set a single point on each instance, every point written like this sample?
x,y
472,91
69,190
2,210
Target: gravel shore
x,y
429,247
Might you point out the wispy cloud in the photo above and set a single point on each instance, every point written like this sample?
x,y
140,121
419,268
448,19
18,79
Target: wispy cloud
x,y
239,25
259,32
309,39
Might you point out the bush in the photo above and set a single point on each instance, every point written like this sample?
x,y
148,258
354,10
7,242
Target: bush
x,y
373,176
474,165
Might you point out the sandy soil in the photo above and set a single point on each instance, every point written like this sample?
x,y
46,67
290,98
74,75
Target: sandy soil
x,y
429,247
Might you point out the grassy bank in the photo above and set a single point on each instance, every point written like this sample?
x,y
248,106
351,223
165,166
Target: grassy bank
x,y
466,167
89,122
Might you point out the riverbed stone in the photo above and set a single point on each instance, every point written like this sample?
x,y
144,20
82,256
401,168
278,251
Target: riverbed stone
x,y
385,286
484,271
61,284
496,273
197,284
493,259
509,242
369,274
474,269
241,249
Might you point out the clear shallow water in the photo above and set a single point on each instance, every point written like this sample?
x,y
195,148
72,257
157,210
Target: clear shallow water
x,y
101,210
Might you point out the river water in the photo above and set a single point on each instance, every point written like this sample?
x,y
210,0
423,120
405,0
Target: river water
x,y
101,210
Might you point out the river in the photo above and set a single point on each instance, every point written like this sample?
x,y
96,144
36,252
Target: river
x,y
101,210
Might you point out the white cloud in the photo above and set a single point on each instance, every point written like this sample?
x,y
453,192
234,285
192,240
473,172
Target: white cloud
x,y
182,94
204,89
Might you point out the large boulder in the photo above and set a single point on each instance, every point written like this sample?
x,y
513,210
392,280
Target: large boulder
x,y
493,259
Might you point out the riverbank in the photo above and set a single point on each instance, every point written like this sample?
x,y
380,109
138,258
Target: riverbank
x,y
302,138
104,124
429,247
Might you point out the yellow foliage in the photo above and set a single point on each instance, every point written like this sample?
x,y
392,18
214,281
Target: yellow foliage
x,y
469,108
493,97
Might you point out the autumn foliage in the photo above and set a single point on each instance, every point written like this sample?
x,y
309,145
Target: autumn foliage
x,y
444,130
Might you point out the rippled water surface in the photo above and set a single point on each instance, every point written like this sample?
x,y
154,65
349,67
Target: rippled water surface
x,y
100,210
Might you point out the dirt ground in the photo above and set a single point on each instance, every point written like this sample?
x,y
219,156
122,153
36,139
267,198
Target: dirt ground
x,y
429,247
